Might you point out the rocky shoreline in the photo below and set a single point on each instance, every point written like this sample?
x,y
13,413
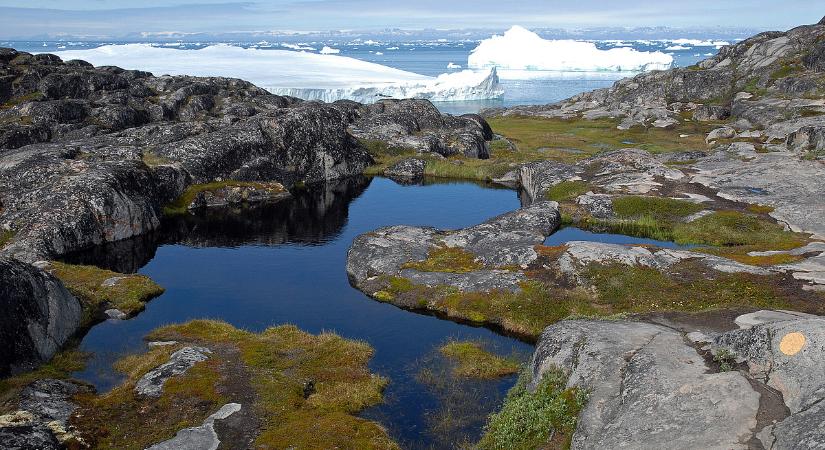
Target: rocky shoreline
x,y
95,155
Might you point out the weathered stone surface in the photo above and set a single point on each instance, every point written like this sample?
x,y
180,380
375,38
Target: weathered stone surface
x,y
779,180
721,133
418,125
506,240
705,113
599,206
233,195
151,384
786,350
793,367
579,254
648,388
407,170
202,437
38,316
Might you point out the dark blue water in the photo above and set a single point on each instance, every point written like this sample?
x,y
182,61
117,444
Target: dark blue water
x,y
577,234
285,263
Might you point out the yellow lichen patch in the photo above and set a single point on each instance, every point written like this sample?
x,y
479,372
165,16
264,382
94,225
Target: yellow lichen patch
x,y
446,259
792,343
473,361
98,288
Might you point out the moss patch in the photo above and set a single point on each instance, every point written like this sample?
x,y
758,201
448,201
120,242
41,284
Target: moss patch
x,y
543,419
153,160
181,204
306,390
100,289
446,259
567,190
5,237
660,208
574,139
689,287
473,361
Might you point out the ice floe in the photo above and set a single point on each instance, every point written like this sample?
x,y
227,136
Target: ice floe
x,y
520,49
310,76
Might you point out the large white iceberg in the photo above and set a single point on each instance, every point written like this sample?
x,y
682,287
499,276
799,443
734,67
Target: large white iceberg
x,y
520,50
310,76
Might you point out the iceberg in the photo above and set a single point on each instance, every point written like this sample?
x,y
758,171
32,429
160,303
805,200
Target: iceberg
x,y
310,76
520,50
327,50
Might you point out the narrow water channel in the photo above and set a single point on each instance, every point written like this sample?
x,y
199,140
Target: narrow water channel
x,y
285,263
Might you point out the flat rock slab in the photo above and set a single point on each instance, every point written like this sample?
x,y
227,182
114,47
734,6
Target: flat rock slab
x,y
648,388
506,240
202,437
151,384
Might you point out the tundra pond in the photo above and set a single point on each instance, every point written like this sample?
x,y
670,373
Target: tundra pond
x,y
283,263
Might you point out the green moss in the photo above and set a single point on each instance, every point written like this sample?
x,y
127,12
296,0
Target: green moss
x,y
152,159
785,70
5,237
446,259
128,293
473,361
19,100
660,208
732,228
545,418
639,289
181,204
567,190
575,139
526,312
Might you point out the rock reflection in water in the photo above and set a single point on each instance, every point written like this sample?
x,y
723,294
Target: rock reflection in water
x,y
313,215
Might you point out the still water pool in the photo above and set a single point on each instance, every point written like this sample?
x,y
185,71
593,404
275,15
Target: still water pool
x,y
285,263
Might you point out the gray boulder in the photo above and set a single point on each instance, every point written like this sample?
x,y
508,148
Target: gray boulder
x,y
151,384
704,113
648,388
38,316
407,170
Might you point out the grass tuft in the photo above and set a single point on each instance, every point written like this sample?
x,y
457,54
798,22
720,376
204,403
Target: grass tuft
x,y
473,361
128,293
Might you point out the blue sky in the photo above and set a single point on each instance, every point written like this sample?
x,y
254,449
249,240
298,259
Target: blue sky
x,y
119,17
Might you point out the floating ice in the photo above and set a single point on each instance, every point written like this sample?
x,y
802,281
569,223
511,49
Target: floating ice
x,y
327,50
674,48
522,50
310,76
453,66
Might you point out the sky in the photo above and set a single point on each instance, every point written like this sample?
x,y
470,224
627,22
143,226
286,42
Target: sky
x,y
113,18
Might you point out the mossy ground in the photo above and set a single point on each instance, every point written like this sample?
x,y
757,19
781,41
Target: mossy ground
x,y
446,259
472,360
545,418
540,139
181,204
128,293
5,237
271,370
